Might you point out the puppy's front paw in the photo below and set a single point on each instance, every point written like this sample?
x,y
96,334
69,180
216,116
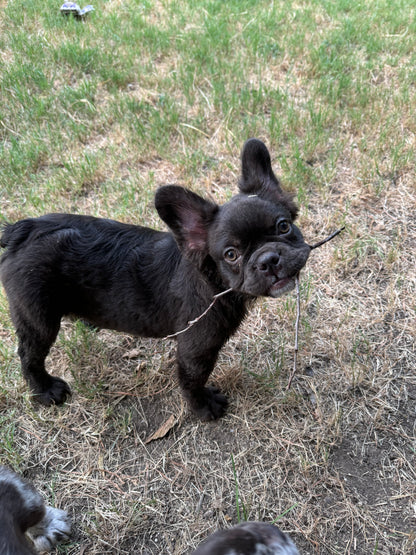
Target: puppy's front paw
x,y
52,529
55,393
211,404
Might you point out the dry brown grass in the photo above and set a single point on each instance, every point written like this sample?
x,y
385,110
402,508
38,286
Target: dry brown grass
x,y
338,447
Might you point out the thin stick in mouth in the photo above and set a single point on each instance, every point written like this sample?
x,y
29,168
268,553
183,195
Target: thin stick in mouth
x,y
295,353
296,349
334,234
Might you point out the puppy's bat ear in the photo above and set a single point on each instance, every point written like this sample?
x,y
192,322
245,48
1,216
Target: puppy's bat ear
x,y
257,177
188,215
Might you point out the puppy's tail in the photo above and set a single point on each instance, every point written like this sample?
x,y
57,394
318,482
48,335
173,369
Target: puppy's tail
x,y
15,234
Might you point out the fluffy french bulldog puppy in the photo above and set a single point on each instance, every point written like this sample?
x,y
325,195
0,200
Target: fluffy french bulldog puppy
x,y
248,538
153,283
23,511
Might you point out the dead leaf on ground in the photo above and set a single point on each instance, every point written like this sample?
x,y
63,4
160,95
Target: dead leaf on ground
x,y
133,353
164,428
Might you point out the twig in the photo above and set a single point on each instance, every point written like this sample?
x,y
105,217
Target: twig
x,y
334,234
193,322
295,355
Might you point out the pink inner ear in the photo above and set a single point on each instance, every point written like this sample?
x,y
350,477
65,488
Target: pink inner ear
x,y
194,231
196,244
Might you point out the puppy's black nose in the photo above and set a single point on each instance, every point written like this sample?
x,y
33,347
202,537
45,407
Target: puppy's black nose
x,y
268,261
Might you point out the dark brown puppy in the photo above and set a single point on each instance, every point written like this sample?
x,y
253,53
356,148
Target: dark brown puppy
x,y
152,283
248,538
23,511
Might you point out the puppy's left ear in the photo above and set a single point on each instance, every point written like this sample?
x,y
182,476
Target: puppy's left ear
x,y
189,216
257,177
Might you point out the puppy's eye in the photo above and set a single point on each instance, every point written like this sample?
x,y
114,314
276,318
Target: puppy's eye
x,y
283,227
231,255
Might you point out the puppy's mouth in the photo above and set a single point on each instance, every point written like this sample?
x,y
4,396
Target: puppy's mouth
x,y
281,286
270,286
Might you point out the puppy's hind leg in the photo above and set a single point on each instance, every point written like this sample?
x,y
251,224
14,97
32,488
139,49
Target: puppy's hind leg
x,y
34,346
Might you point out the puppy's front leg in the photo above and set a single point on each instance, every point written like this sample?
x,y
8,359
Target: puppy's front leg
x,y
194,367
52,529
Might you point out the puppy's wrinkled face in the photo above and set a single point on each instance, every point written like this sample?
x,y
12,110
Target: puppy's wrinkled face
x,y
252,240
257,248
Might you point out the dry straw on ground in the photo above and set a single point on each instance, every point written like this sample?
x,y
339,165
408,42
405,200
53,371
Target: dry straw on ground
x,y
338,448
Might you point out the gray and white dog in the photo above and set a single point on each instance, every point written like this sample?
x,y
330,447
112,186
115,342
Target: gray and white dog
x,y
248,538
26,523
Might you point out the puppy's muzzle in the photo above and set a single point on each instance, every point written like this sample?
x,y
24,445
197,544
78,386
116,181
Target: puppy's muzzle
x,y
271,271
268,263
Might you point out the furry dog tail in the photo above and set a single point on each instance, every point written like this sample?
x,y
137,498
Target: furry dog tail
x,y
15,234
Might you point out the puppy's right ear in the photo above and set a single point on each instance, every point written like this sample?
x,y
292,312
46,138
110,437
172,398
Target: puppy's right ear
x,y
189,216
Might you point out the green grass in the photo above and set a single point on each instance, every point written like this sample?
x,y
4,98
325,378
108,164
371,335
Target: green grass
x,y
9,454
159,75
241,514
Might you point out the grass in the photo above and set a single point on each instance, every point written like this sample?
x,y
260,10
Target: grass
x,y
94,117
241,516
